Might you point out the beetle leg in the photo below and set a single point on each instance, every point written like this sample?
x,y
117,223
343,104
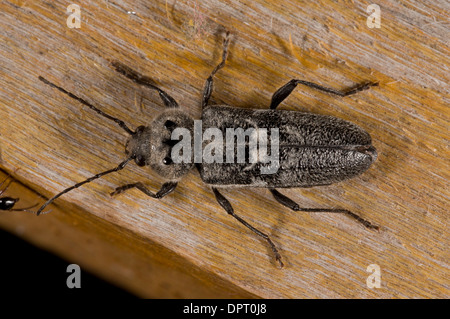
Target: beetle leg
x,y
146,81
289,203
166,189
207,90
229,209
283,92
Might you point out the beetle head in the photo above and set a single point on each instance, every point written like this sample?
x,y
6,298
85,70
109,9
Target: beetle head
x,y
152,145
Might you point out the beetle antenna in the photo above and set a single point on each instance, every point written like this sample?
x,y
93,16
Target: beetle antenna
x,y
25,209
119,122
90,179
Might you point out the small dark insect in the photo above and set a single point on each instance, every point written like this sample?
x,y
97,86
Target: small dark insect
x,y
314,150
7,203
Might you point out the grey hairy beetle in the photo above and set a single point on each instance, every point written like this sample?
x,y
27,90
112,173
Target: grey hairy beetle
x,y
313,149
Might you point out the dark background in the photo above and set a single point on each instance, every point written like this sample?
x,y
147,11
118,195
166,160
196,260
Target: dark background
x,y
29,271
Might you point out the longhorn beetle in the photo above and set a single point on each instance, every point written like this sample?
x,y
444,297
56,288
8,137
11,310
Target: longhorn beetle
x,y
314,150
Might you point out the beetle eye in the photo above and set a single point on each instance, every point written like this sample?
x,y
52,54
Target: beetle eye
x,y
140,161
139,129
169,125
167,161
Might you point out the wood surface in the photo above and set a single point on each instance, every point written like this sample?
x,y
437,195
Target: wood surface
x,y
185,245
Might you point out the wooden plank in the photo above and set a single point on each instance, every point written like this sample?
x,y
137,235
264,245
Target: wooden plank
x,y
114,253
55,142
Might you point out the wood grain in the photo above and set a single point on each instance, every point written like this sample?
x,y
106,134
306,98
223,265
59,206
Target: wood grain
x,y
185,245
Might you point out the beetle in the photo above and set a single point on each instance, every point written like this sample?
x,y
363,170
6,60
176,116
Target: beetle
x,y
7,203
314,150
